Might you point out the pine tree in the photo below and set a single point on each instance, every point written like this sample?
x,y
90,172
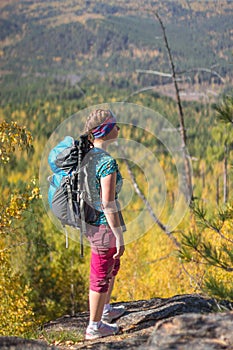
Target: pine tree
x,y
209,242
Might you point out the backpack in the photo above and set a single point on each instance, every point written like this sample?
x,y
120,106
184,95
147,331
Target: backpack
x,y
69,193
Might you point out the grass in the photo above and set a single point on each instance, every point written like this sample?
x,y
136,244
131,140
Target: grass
x,y
61,337
57,336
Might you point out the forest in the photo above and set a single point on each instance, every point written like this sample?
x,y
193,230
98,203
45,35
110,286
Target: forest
x,y
83,40
41,88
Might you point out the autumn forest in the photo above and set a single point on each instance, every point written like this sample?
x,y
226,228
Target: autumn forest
x,y
161,67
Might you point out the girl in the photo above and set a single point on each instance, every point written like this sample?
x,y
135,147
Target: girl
x,y
106,233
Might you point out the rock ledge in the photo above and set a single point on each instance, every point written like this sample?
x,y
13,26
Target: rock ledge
x,y
182,322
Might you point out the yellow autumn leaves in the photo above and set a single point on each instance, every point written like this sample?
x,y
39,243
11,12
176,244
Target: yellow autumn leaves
x,y
17,317
12,136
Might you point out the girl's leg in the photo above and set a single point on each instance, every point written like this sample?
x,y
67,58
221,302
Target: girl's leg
x,y
109,292
111,284
96,301
100,278
102,271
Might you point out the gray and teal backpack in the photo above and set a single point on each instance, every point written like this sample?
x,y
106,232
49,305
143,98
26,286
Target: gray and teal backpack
x,y
69,194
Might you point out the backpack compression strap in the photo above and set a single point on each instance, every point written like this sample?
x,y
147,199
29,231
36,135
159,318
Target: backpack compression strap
x,y
70,201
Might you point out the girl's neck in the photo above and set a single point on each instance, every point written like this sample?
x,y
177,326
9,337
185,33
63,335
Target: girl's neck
x,y
100,144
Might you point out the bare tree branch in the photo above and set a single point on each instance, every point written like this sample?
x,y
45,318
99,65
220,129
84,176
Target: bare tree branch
x,y
147,204
211,71
162,74
159,259
180,109
140,90
194,280
169,75
13,246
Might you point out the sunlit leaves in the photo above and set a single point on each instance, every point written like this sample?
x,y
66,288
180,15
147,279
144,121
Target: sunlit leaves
x,y
19,202
17,317
13,136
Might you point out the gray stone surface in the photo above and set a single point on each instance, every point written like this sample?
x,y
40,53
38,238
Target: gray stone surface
x,y
195,332
183,322
12,343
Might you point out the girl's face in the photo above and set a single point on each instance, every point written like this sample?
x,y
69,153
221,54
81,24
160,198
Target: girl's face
x,y
113,134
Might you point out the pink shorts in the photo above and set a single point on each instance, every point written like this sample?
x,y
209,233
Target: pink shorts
x,y
103,266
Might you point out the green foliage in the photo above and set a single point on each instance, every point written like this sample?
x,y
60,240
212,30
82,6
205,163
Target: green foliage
x,y
211,247
38,275
204,220
191,240
224,110
41,279
17,317
84,37
229,253
56,274
218,288
54,280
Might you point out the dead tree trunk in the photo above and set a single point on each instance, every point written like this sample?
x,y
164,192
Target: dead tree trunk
x,y
163,227
181,114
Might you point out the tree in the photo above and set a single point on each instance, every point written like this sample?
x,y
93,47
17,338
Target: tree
x,y
182,129
224,112
209,243
12,136
49,275
17,317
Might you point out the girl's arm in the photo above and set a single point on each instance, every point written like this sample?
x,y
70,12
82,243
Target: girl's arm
x,y
108,187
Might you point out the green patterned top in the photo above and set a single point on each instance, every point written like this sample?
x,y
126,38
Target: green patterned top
x,y
101,164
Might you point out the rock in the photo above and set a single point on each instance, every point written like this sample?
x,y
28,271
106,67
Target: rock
x,y
182,322
12,343
194,331
146,324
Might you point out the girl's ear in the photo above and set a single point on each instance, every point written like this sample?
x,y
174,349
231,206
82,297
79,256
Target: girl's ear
x,y
91,137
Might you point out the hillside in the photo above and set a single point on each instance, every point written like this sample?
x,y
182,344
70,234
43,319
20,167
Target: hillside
x,y
75,40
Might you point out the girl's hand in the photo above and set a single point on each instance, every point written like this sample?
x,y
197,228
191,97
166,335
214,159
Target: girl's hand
x,y
120,248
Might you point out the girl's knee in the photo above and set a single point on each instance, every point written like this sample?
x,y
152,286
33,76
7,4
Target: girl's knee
x,y
99,285
103,268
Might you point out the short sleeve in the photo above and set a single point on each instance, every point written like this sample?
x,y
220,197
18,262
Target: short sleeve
x,y
107,167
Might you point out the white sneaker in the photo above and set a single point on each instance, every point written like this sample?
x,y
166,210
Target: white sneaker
x,y
103,330
113,313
